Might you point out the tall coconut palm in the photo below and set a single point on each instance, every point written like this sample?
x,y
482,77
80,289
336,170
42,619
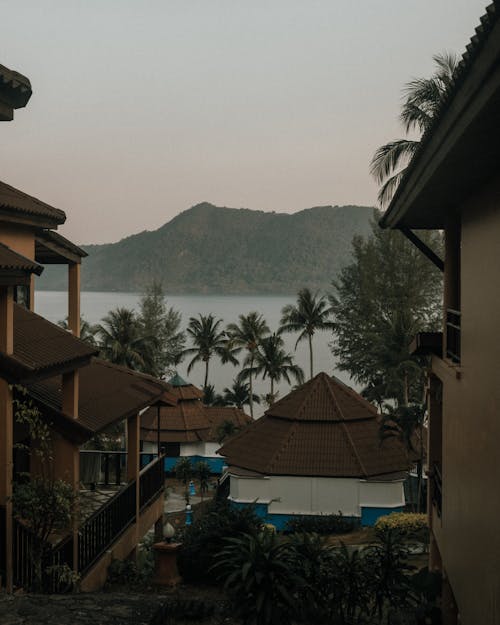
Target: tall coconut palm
x,y
239,395
247,335
311,313
121,339
272,361
422,101
208,340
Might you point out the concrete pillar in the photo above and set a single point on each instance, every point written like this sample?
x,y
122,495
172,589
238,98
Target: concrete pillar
x,y
74,298
6,426
133,431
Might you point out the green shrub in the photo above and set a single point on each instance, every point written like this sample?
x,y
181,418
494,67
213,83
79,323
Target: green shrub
x,y
321,524
205,538
260,578
408,524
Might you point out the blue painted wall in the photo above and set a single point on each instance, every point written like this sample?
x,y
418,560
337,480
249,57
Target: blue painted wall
x,y
370,515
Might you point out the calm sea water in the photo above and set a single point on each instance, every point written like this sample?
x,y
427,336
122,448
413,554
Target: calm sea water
x,y
94,306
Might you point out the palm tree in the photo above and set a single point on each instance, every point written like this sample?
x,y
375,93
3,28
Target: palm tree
x,y
247,334
239,394
121,339
225,430
271,361
211,398
87,331
311,313
422,101
208,341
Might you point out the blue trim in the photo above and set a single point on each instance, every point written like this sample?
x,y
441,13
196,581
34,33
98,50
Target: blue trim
x,y
215,464
370,515
278,520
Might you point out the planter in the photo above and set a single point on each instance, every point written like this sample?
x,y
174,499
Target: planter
x,y
166,572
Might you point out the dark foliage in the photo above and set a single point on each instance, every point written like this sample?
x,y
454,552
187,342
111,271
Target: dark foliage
x,y
321,524
205,538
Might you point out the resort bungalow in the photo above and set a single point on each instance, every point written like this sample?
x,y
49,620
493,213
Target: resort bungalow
x,y
453,184
188,428
316,451
76,394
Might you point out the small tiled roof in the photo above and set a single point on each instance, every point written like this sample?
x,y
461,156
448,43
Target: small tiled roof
x,y
49,246
13,201
184,422
108,394
41,348
330,431
11,260
184,390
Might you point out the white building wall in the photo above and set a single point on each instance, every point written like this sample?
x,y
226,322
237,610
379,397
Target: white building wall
x,y
148,447
192,449
299,495
381,494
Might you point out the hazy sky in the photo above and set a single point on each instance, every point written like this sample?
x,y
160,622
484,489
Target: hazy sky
x,y
142,108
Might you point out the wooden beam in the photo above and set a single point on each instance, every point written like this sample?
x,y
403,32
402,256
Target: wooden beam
x,y
74,298
423,247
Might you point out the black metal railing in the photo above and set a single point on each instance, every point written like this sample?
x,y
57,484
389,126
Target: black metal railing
x,y
151,482
102,529
437,488
453,323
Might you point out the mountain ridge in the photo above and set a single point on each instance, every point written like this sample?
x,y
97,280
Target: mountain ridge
x,y
222,250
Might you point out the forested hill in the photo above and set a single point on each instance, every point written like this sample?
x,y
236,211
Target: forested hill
x,y
209,249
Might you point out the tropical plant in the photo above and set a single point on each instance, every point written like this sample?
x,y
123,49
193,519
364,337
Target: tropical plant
x,y
271,361
321,524
310,314
406,424
121,339
42,502
203,474
239,395
422,101
208,340
410,526
87,331
247,334
225,430
205,538
383,298
259,576
211,398
160,324
183,471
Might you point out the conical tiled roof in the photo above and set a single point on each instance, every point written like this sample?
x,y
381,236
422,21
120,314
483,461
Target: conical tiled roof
x,y
324,428
183,390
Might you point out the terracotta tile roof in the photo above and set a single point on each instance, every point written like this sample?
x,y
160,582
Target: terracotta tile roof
x,y
218,414
108,394
13,201
41,349
49,245
11,260
330,431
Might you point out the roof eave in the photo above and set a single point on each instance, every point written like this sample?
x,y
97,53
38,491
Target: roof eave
x,y
422,200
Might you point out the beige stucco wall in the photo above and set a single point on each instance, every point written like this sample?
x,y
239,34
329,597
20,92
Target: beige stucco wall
x,y
469,533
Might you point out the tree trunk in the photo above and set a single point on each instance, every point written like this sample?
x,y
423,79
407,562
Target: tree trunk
x,y
405,389
309,336
251,386
206,374
271,399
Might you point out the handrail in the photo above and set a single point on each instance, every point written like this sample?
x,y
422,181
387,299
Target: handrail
x,y
151,482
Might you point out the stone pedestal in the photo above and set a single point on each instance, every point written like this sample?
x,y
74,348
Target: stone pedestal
x,y
166,573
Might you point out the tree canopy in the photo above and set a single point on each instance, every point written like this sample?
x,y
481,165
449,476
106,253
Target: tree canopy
x,y
389,293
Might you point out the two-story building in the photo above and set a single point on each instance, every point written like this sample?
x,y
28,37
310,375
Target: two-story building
x,y
453,184
77,394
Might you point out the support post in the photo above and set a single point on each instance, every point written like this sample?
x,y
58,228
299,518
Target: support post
x,y
6,429
74,298
133,455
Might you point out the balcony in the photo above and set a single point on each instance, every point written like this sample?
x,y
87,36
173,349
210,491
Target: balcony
x,y
453,323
